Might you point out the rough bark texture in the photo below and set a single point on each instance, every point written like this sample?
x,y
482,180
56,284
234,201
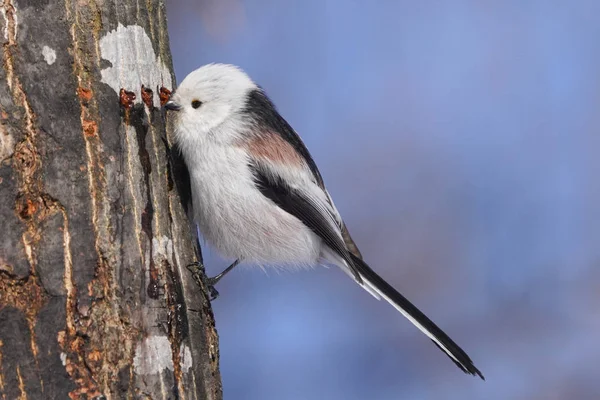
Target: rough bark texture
x,y
95,299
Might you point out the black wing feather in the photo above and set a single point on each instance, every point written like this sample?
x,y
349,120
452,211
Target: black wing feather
x,y
295,203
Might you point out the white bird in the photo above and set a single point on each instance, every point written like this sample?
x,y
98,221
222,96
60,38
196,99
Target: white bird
x,y
257,193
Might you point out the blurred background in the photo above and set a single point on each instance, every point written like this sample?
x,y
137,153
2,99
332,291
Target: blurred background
x,y
460,142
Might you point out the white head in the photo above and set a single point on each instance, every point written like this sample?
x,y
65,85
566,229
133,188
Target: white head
x,y
209,97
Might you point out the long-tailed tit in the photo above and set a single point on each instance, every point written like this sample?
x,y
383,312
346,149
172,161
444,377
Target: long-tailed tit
x,y
257,193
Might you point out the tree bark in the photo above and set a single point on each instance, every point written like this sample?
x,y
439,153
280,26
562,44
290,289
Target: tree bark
x,y
95,298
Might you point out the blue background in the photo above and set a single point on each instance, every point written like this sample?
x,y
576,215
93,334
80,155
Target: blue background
x,y
460,141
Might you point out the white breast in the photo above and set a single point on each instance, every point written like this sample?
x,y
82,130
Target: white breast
x,y
236,218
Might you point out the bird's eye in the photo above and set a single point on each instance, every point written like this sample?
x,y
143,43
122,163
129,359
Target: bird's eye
x,y
196,103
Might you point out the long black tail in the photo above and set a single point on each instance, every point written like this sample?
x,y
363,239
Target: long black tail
x,y
375,283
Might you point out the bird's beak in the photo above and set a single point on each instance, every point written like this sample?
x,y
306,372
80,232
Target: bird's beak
x,y
172,106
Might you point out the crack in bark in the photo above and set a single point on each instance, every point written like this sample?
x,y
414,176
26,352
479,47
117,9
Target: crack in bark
x,y
177,322
23,395
73,344
115,336
137,120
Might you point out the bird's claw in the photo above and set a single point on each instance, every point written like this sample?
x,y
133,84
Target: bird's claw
x,y
197,270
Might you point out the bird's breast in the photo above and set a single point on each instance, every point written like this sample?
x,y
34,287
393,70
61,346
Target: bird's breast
x,y
238,220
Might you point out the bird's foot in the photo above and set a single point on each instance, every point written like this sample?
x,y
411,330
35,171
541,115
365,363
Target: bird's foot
x,y
197,270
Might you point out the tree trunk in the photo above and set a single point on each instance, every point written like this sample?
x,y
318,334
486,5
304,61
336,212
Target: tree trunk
x,y
95,298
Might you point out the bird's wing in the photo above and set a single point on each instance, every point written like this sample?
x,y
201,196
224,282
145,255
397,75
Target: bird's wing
x,y
305,201
276,144
280,143
350,245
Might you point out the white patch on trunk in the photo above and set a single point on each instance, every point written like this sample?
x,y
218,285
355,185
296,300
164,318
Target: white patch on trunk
x,y
134,63
162,248
186,358
7,145
153,355
49,55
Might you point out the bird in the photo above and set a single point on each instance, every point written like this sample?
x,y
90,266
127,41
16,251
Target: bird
x,y
257,194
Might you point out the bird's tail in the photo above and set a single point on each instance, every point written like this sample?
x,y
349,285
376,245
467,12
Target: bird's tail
x,y
378,287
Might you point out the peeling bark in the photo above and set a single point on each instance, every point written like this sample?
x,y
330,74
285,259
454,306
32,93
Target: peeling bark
x,y
95,299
